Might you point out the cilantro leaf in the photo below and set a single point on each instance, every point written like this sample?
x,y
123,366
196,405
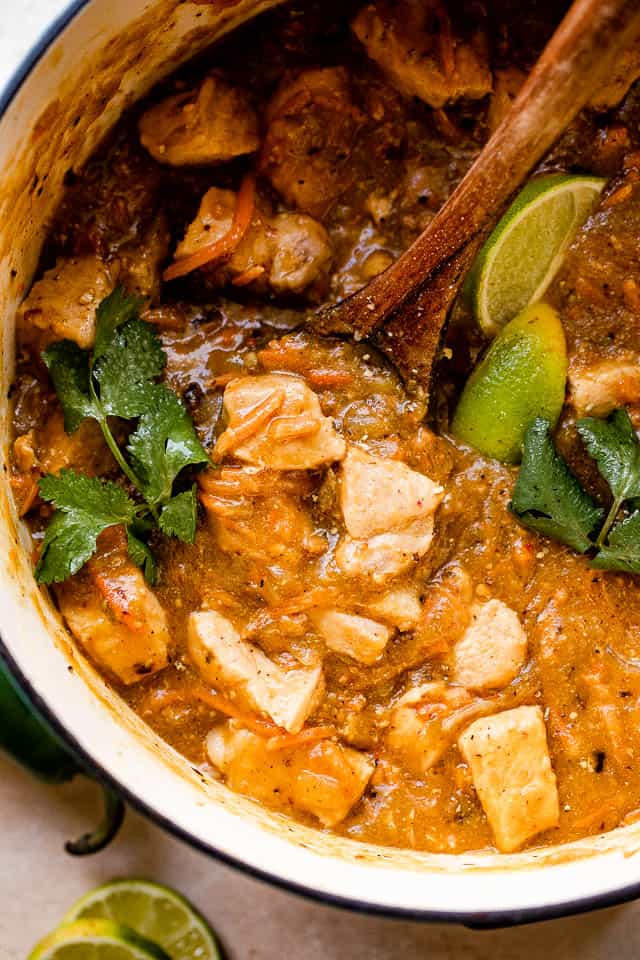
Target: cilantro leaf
x,y
68,366
119,379
164,442
85,506
178,518
614,445
114,311
622,551
548,498
141,554
129,363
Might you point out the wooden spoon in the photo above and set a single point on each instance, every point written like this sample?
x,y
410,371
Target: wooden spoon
x,y
404,309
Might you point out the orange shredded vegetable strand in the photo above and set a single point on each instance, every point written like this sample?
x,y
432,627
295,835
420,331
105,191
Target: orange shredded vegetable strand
x,y
289,741
255,418
224,246
116,599
248,276
291,428
278,357
277,738
263,728
447,128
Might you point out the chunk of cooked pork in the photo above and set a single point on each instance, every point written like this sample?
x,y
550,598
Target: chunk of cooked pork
x,y
224,659
110,608
312,124
324,779
388,511
386,555
84,450
379,495
512,773
286,253
62,304
357,637
413,43
48,448
416,732
302,253
255,520
598,389
492,650
276,421
400,606
212,124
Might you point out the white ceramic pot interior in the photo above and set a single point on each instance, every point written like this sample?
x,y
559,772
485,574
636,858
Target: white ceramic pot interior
x,y
109,53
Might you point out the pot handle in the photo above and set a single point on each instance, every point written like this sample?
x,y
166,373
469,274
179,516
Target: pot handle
x,y
26,736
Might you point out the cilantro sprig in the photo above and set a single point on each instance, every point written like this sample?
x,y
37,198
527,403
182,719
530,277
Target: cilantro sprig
x,y
118,378
549,499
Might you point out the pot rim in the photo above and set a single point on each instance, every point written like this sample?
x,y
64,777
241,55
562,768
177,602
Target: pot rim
x,y
491,919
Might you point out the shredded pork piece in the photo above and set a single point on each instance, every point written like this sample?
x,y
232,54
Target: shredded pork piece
x,y
62,304
512,774
388,511
243,398
597,390
312,124
286,253
351,635
223,658
412,42
492,650
324,778
114,613
225,245
400,606
211,124
416,732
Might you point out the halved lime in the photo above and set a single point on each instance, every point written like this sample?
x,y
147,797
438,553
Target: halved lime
x,y
96,940
521,376
154,911
525,250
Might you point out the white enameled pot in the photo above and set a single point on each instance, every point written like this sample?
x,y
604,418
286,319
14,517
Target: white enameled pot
x,y
97,58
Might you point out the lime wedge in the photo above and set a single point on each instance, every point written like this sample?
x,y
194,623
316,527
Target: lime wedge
x,y
98,940
521,376
154,911
523,254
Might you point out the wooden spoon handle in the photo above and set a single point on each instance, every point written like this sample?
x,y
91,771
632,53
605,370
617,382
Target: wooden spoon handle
x,y
576,59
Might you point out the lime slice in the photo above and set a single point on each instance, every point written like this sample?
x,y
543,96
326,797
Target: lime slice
x,y
521,376
98,940
154,911
524,252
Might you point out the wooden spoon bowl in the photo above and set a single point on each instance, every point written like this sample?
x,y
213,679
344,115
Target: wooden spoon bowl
x,y
405,309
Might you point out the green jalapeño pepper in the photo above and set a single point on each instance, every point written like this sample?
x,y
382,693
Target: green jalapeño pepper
x,y
29,739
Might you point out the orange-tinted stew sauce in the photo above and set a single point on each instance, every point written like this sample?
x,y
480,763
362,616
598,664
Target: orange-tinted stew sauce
x,y
351,558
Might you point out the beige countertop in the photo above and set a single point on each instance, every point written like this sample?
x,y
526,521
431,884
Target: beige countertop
x,y
38,881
